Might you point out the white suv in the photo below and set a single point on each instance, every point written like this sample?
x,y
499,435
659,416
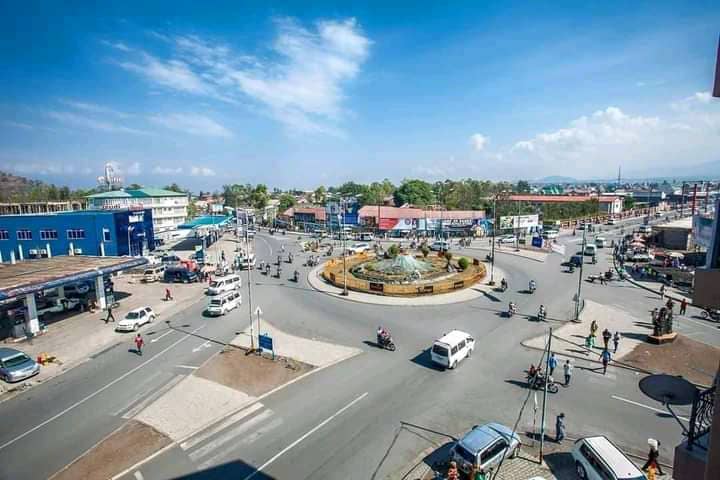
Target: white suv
x,y
136,319
597,458
359,248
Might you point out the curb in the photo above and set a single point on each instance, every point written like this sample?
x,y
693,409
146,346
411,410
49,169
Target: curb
x,y
513,253
627,277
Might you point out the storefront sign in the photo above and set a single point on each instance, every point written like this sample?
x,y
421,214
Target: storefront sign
x,y
376,287
136,217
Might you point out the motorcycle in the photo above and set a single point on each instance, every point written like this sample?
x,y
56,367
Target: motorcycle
x,y
296,276
541,315
711,314
511,311
503,286
267,269
537,382
386,342
532,288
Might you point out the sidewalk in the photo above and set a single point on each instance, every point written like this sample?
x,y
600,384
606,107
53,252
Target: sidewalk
x,y
569,339
530,254
654,286
75,338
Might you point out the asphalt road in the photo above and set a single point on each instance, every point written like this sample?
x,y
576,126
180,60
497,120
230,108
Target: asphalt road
x,y
364,418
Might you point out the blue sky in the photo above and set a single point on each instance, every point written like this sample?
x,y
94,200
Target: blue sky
x,y
297,94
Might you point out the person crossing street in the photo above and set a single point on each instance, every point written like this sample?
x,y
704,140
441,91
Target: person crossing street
x,y
567,368
616,341
605,358
606,337
560,428
683,306
552,363
139,342
110,317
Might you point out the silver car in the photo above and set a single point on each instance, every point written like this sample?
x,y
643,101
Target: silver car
x,y
16,366
485,446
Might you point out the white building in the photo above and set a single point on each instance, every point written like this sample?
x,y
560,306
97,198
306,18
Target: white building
x,y
169,209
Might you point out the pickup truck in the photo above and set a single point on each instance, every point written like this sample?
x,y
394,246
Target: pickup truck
x,y
58,305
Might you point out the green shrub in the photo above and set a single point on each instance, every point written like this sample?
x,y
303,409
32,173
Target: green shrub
x,y
448,257
463,263
425,251
393,251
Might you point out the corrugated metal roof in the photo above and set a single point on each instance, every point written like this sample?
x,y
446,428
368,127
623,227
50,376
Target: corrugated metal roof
x,y
418,213
138,193
560,198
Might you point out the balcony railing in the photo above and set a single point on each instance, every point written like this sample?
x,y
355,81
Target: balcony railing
x,y
701,416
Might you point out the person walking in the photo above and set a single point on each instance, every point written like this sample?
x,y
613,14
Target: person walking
x,y
683,306
567,368
110,317
662,291
139,342
616,341
653,459
552,363
453,473
654,314
168,295
605,357
606,335
593,328
560,428
478,473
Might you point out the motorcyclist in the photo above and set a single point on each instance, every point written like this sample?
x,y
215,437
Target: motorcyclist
x,y
542,312
512,308
503,284
382,335
594,259
532,286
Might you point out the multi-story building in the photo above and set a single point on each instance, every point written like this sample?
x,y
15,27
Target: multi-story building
x,y
169,209
85,232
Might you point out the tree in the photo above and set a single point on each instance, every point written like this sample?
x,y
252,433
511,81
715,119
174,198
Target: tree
x,y
522,186
259,196
319,195
192,210
425,251
174,187
393,251
136,186
414,192
286,201
628,203
463,263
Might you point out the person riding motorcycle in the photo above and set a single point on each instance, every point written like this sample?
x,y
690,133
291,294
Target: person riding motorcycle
x,y
532,286
382,335
512,309
542,312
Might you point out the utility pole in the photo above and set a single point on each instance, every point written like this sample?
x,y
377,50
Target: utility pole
x,y
517,235
580,276
492,254
542,416
344,252
249,282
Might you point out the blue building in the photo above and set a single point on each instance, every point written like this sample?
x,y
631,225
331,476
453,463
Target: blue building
x,y
87,232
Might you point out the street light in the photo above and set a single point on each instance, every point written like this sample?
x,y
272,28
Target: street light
x,y
130,229
582,261
344,251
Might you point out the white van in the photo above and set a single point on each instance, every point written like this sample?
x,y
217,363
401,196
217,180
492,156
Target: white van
x,y
154,273
224,284
590,249
596,458
600,242
221,304
451,348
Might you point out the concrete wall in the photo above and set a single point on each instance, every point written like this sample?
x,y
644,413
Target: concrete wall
x,y
707,287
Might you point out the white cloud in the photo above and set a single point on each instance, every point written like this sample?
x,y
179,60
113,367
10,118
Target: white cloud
x,y
703,97
73,119
192,123
12,124
299,85
93,108
202,172
596,144
133,168
158,170
478,141
118,46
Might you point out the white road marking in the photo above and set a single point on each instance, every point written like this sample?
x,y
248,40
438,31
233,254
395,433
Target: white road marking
x,y
98,391
296,442
140,395
221,426
161,336
189,367
139,475
201,346
229,435
245,441
646,406
154,396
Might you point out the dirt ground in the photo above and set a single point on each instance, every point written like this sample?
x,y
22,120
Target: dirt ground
x,y
136,440
696,361
252,374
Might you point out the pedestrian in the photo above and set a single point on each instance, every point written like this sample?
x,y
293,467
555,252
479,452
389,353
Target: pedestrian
x,y
168,295
139,342
453,473
606,337
683,306
560,428
552,363
654,314
653,459
477,473
593,328
590,341
616,341
568,368
110,317
662,291
605,357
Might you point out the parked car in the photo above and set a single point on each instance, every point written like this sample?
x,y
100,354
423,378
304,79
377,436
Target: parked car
x,y
135,319
154,273
361,247
179,274
57,305
505,239
485,447
550,234
171,258
597,458
16,365
611,221
440,246
366,237
452,348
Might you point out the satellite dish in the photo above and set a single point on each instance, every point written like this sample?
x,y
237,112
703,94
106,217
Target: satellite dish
x,y
668,390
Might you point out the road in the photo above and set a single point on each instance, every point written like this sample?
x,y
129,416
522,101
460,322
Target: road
x,y
345,421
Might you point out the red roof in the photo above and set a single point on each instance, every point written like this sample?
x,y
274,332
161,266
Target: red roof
x,y
319,212
560,198
371,211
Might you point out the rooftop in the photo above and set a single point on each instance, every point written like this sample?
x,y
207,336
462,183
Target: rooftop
x,y
138,193
683,223
31,276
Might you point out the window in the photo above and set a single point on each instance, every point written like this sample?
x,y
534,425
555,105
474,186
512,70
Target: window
x,y
24,235
48,235
454,350
4,235
493,451
106,235
461,345
76,234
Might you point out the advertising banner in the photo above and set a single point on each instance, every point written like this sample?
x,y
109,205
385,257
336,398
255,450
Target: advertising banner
x,y
522,221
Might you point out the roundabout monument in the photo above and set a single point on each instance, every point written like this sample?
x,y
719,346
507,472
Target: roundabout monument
x,y
404,274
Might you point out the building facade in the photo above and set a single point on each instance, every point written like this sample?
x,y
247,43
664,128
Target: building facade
x,y
86,232
169,209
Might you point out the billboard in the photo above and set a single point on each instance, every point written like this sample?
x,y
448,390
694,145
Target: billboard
x,y
702,230
522,221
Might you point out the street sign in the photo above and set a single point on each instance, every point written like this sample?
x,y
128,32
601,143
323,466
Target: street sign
x,y
537,242
265,342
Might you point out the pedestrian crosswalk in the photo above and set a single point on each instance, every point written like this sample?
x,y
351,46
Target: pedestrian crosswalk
x,y
217,442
